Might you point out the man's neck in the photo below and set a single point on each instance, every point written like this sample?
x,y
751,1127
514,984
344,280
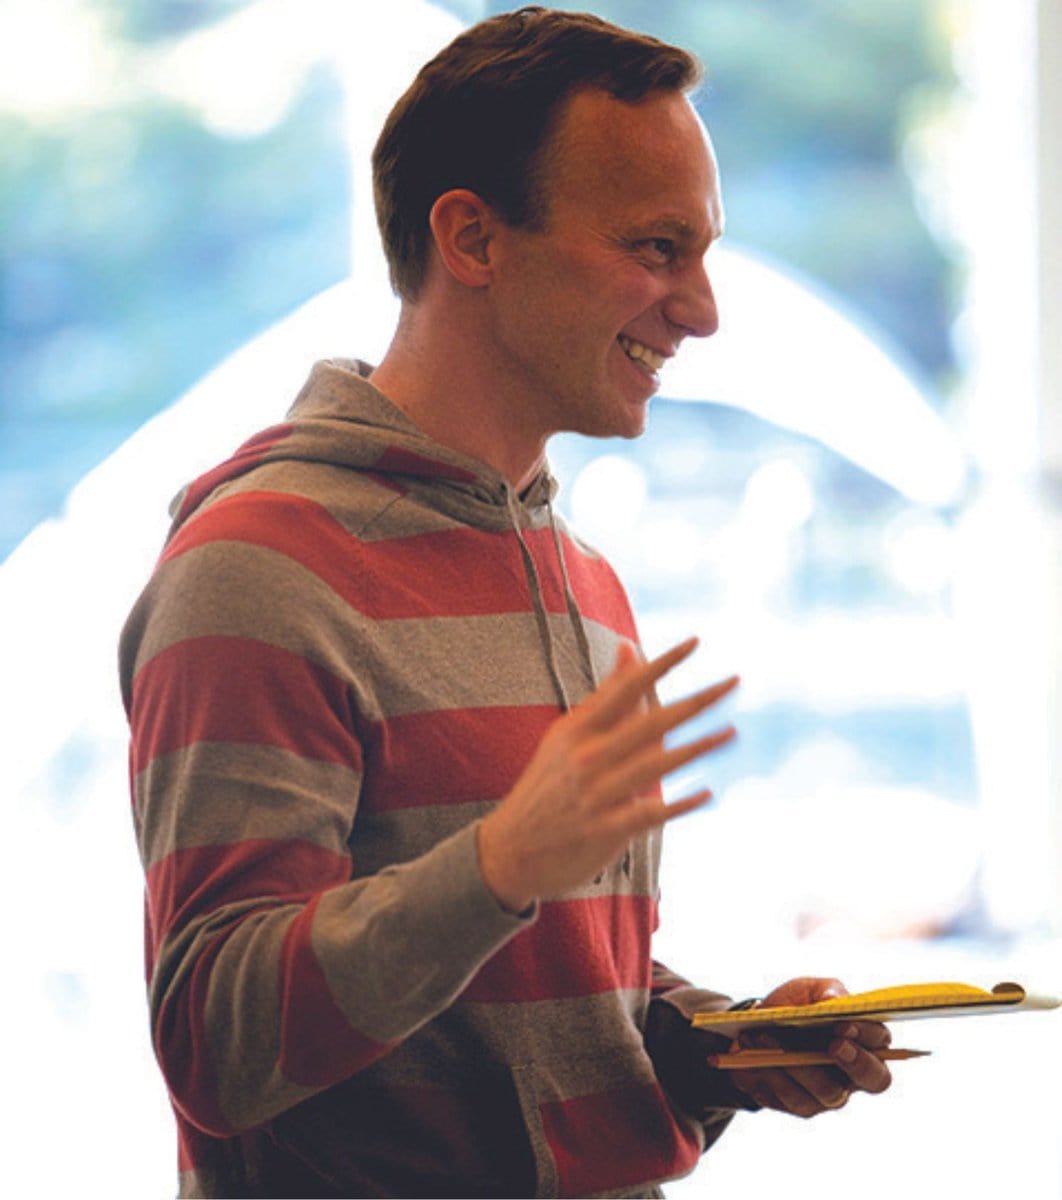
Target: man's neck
x,y
428,374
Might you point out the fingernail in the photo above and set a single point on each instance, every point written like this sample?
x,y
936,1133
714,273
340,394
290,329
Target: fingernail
x,y
846,1052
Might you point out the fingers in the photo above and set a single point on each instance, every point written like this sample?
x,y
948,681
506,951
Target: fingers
x,y
679,808
805,989
646,728
864,1070
624,751
618,711
871,1034
636,774
629,757
805,1091
630,683
648,813
809,1091
800,1091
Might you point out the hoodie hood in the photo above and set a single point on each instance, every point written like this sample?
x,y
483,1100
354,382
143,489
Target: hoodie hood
x,y
339,419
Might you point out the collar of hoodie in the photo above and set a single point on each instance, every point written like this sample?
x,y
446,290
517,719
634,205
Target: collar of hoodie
x,y
340,419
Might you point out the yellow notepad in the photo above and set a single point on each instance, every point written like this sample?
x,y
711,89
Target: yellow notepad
x,y
908,1001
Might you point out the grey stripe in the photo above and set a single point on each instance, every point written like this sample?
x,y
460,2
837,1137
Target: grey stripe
x,y
416,830
428,664
241,1011
371,511
221,793
573,1047
399,948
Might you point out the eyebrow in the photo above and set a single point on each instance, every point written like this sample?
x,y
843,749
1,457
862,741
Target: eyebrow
x,y
677,227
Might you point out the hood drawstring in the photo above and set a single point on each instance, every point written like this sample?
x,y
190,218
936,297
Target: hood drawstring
x,y
574,615
341,419
541,616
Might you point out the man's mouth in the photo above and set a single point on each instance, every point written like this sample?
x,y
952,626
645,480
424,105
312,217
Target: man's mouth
x,y
641,353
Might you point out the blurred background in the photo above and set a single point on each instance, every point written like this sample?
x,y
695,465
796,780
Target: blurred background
x,y
852,494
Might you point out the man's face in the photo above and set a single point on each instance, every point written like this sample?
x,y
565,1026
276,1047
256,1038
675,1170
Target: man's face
x,y
585,311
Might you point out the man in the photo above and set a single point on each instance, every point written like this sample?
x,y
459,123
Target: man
x,y
396,761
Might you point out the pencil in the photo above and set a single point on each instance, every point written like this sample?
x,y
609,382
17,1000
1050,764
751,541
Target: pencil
x,y
748,1059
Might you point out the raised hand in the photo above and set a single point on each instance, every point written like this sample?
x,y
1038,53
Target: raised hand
x,y
592,783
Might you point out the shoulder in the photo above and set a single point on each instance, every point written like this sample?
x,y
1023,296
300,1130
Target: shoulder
x,y
270,558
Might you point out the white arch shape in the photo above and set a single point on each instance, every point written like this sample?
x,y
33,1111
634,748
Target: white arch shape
x,y
101,549
783,353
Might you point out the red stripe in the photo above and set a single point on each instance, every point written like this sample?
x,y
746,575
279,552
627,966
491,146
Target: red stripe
x,y
389,482
424,575
194,1148
408,462
575,948
235,690
184,1053
318,1045
194,882
595,586
454,756
248,456
197,880
616,1139
447,573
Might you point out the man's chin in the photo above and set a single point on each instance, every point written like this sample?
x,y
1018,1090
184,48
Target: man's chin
x,y
628,424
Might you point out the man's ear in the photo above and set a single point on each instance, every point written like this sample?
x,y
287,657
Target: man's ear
x,y
462,225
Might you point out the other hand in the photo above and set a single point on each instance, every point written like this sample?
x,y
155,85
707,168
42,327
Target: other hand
x,y
809,1091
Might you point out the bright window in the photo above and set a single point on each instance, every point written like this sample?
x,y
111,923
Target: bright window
x,y
838,494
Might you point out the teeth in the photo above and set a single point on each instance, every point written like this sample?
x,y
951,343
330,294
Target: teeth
x,y
640,353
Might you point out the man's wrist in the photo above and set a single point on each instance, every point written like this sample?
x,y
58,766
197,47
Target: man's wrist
x,y
492,866
680,1054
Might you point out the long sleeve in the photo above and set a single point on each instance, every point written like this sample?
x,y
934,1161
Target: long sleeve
x,y
274,971
679,1052
346,657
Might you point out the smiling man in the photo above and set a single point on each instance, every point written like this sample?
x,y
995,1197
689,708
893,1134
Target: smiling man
x,y
563,324
396,757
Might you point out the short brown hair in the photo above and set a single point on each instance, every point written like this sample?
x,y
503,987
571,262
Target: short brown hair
x,y
480,113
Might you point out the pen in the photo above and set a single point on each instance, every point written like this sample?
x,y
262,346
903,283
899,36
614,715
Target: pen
x,y
759,1059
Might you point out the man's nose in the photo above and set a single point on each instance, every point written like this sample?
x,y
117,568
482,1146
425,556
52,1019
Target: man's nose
x,y
691,305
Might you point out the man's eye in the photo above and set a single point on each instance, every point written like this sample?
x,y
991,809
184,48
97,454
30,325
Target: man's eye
x,y
661,248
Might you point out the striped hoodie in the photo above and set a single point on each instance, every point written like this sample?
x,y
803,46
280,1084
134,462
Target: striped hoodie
x,y
349,649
